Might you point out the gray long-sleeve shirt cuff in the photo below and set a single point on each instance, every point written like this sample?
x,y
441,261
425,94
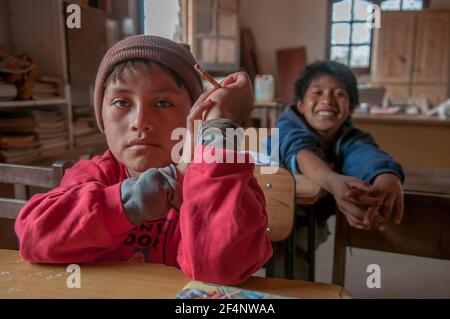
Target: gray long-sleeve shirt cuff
x,y
151,195
222,133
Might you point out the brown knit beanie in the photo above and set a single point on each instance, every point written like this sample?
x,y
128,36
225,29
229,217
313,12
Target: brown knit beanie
x,y
170,54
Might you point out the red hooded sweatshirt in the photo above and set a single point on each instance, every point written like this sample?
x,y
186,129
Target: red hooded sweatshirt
x,y
218,235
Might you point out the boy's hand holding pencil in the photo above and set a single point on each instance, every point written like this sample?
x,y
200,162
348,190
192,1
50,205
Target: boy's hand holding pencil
x,y
233,97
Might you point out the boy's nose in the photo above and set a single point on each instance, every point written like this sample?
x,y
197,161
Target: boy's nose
x,y
142,119
328,99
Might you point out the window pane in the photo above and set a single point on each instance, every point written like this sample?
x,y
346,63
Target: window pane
x,y
340,33
390,5
339,54
412,4
360,56
342,11
167,27
360,10
361,33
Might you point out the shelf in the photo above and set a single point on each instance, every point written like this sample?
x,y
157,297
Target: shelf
x,y
55,101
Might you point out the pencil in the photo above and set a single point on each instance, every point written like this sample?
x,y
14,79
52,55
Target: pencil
x,y
207,76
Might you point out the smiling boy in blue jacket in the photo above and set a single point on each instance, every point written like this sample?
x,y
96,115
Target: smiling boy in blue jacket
x,y
318,139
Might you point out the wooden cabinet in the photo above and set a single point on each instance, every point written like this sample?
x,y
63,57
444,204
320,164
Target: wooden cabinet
x,y
394,47
398,90
432,48
411,54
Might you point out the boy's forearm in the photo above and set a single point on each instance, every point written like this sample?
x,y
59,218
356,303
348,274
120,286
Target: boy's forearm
x,y
224,205
316,169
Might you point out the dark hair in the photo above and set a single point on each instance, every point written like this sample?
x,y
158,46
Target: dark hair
x,y
337,70
134,64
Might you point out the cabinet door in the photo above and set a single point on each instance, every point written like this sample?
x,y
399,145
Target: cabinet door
x,y
432,48
393,48
397,90
435,93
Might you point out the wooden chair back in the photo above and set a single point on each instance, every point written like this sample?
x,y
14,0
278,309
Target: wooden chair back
x,y
279,190
23,178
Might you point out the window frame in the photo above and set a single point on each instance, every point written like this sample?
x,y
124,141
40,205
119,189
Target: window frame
x,y
356,70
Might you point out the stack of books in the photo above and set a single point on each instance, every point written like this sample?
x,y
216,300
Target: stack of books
x,y
47,87
51,130
18,141
85,127
7,91
19,149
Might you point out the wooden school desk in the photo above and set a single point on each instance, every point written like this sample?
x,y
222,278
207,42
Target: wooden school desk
x,y
267,112
307,194
19,279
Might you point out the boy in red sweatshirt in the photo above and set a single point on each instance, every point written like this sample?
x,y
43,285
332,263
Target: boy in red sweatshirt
x,y
132,202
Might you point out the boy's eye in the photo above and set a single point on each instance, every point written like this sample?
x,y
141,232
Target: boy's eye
x,y
121,103
163,103
340,93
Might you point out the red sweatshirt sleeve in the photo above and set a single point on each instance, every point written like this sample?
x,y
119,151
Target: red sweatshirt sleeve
x,y
80,221
223,222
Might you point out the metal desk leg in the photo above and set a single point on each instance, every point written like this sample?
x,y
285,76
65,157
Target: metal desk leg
x,y
289,255
311,243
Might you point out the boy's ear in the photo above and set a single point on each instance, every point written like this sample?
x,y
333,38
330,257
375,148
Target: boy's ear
x,y
300,107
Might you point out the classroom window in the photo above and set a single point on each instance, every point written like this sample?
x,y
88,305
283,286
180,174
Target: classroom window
x,y
350,36
397,5
162,18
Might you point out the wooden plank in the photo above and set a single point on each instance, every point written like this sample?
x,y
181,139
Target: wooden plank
x,y
427,181
28,175
9,208
394,47
422,232
432,45
128,280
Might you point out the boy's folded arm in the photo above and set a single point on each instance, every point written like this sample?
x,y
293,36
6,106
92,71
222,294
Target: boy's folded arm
x,y
294,139
152,195
85,219
365,160
81,223
315,168
223,221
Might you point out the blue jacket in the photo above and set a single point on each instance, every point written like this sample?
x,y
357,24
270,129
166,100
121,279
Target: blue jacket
x,y
355,153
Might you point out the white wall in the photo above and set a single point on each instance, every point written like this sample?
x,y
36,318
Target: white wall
x,y
279,24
